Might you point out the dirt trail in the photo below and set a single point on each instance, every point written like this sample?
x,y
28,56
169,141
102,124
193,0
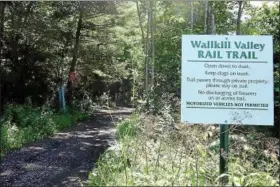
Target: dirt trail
x,y
65,158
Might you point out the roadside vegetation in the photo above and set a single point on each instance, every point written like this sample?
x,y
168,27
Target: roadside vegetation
x,y
128,53
22,124
157,150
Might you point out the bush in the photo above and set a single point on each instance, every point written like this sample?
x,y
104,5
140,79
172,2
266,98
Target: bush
x,y
157,155
22,124
128,127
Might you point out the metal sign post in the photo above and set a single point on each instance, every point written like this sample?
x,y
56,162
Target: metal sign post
x,y
224,147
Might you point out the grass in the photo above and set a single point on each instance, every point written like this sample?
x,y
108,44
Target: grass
x,y
153,151
22,124
127,127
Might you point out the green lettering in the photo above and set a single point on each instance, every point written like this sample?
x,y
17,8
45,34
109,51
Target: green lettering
x,y
235,54
208,54
228,54
196,44
200,54
254,55
244,55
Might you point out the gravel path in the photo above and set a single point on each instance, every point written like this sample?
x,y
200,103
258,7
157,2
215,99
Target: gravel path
x,y
64,159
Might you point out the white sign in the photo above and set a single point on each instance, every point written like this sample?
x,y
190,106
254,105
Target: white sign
x,y
227,80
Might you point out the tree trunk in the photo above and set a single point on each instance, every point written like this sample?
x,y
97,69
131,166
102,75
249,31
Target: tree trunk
x,y
2,17
191,6
140,25
205,16
145,43
212,20
238,23
2,20
77,43
15,36
153,44
278,124
75,54
147,51
143,46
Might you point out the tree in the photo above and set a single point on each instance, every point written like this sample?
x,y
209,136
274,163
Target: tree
x,y
238,23
75,51
2,19
212,20
205,17
109,45
191,7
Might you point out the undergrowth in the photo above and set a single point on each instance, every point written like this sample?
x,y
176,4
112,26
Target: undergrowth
x,y
154,150
21,124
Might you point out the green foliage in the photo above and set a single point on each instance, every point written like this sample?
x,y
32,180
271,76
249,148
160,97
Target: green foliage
x,y
264,21
158,155
242,175
38,45
22,124
128,127
112,44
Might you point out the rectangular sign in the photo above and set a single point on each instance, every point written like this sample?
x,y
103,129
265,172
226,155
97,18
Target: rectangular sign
x,y
227,80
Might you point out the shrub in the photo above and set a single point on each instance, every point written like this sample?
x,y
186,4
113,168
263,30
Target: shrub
x,y
22,124
156,154
128,127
